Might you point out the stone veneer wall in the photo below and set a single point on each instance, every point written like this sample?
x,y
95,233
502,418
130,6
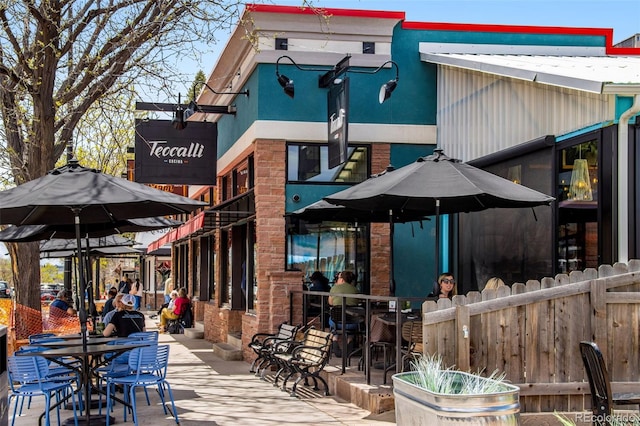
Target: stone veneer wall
x,y
380,232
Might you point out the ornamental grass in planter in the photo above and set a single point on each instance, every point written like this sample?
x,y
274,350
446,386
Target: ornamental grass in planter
x,y
435,395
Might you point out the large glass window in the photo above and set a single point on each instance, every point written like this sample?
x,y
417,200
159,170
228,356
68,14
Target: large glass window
x,y
310,163
513,244
577,196
328,247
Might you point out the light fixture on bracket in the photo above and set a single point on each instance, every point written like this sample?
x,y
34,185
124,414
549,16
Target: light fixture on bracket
x,y
181,113
334,74
286,82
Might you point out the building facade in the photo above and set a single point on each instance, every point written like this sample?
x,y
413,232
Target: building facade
x,y
535,105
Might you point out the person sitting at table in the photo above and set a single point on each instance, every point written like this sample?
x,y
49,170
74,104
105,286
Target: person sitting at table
x,y
445,287
344,284
63,303
126,320
108,305
117,306
181,303
319,282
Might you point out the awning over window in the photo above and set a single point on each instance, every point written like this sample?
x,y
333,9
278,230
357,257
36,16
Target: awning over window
x,y
235,210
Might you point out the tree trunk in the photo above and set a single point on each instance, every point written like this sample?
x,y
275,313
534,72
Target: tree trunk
x,y
26,285
26,273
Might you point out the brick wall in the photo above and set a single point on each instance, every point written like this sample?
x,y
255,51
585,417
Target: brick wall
x,y
380,232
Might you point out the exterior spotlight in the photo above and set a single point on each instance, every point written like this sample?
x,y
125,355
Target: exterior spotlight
x,y
386,90
333,76
286,83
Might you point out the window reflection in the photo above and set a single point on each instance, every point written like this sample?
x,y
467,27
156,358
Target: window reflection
x,y
328,247
310,163
578,207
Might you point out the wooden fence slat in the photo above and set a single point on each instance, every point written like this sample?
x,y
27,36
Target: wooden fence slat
x,y
463,341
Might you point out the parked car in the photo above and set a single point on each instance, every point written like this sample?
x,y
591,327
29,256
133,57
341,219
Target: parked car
x,y
46,298
5,290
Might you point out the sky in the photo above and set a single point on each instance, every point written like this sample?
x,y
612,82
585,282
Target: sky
x,y
623,16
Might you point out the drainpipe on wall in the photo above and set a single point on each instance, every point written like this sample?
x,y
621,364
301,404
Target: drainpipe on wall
x,y
623,178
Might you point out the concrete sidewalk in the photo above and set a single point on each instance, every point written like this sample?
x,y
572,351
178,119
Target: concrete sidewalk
x,y
210,391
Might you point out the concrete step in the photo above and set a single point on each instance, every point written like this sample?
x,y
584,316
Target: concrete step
x,y
198,325
194,333
227,352
235,340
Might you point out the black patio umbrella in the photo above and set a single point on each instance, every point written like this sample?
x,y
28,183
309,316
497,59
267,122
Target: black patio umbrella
x,y
28,233
322,210
70,245
435,185
77,196
65,244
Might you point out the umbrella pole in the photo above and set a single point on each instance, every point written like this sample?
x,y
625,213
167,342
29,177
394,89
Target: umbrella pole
x,y
392,282
82,311
437,253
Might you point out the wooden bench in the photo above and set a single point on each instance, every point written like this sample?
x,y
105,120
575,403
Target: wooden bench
x,y
306,360
264,344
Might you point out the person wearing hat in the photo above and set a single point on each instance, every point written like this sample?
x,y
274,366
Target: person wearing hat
x,y
126,320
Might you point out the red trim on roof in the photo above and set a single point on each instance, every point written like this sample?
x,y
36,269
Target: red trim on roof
x,y
607,33
305,10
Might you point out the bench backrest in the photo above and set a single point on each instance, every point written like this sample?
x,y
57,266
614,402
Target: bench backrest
x,y
316,347
286,332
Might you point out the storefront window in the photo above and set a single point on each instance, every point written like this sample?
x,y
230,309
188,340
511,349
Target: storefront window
x,y
512,244
577,196
328,247
310,163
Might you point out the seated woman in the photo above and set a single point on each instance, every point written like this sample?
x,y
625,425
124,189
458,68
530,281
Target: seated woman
x,y
181,303
445,287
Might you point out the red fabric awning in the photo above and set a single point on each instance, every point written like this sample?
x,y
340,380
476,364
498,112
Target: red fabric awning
x,y
184,230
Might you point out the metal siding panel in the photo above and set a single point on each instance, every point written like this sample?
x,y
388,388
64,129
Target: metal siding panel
x,y
479,114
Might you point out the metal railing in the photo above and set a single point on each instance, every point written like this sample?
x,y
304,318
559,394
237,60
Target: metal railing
x,y
367,306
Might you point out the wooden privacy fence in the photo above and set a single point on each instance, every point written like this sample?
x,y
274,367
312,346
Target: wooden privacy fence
x,y
532,333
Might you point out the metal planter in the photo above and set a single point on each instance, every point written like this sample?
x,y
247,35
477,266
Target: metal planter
x,y
417,406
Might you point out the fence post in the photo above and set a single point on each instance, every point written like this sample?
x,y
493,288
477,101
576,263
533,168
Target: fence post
x,y
463,322
599,314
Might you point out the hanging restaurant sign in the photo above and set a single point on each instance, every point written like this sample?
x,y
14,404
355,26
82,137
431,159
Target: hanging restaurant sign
x,y
165,155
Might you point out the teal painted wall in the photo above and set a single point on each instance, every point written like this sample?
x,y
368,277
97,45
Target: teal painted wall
x,y
413,243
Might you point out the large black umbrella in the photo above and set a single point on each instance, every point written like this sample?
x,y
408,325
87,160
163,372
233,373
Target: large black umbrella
x,y
28,233
435,185
65,244
324,211
76,195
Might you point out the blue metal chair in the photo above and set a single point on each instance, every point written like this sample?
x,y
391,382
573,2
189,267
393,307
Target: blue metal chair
x,y
28,377
57,372
34,337
147,336
149,368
